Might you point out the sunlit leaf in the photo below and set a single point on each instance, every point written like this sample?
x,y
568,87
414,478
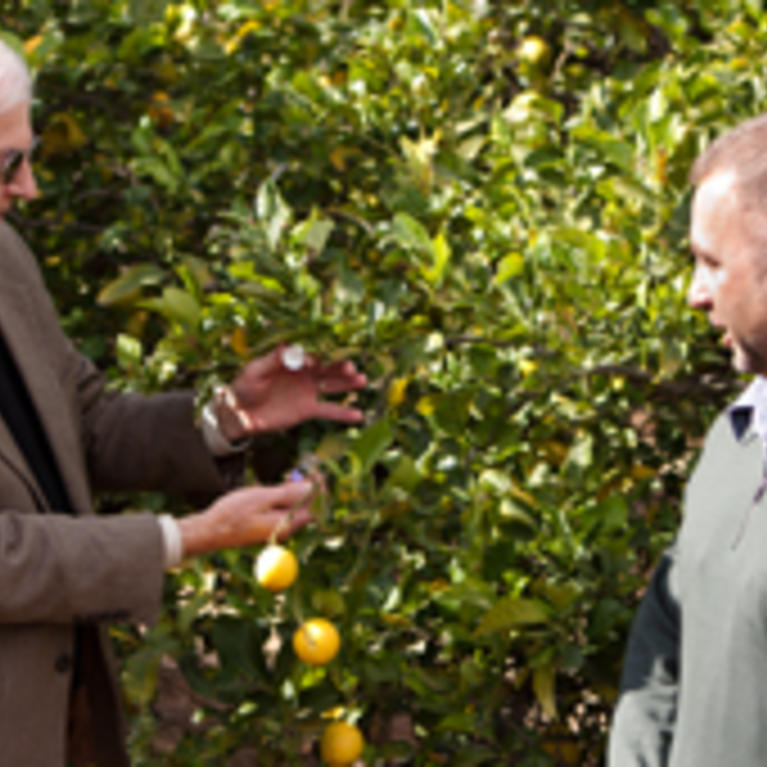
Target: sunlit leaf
x,y
372,442
175,304
512,613
127,287
544,681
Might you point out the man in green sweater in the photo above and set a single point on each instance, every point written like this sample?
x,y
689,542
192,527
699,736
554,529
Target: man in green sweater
x,y
694,685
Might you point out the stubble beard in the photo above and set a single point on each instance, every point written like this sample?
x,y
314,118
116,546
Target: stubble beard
x,y
748,359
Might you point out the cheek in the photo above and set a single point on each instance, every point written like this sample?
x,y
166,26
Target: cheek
x,y
712,281
718,279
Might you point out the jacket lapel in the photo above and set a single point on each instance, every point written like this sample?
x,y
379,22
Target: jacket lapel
x,y
46,393
12,457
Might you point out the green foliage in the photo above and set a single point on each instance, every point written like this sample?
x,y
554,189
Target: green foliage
x,y
500,245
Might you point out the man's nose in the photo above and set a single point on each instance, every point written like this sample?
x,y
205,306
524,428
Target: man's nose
x,y
699,292
24,184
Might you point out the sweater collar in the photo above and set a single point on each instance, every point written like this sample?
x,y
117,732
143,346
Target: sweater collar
x,y
750,410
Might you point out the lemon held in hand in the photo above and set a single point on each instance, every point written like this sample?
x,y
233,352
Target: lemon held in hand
x,y
316,641
276,567
341,744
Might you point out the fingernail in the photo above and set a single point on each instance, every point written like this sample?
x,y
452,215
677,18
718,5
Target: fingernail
x,y
295,475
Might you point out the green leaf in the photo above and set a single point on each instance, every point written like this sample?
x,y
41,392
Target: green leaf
x,y
411,234
508,267
273,211
127,287
197,272
331,446
372,442
405,474
314,232
512,613
581,453
544,686
129,351
423,22
612,148
441,257
159,171
176,305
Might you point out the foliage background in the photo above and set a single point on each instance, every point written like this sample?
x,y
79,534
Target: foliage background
x,y
500,244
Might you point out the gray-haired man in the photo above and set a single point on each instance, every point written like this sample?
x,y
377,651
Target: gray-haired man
x,y
66,572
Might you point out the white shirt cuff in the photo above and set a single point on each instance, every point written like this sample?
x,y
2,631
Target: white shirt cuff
x,y
171,540
217,443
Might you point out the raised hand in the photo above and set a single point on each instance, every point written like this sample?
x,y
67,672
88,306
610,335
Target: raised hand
x,y
267,395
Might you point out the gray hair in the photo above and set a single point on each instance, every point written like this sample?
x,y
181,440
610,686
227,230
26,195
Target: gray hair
x,y
15,80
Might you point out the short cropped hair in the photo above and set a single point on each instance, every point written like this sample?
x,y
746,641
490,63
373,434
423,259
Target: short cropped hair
x,y
742,151
15,80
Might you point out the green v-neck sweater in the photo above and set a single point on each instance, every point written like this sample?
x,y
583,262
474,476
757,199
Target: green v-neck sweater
x,y
694,684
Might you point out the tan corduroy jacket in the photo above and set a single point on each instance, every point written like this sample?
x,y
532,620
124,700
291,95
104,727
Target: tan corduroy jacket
x,y
58,571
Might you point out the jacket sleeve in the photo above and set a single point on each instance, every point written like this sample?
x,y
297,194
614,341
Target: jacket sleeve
x,y
147,442
55,568
643,724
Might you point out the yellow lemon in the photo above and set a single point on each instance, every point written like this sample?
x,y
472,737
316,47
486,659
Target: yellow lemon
x,y
527,367
397,391
341,744
316,641
276,567
534,50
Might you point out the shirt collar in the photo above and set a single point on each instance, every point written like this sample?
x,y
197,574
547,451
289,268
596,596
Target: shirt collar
x,y
750,409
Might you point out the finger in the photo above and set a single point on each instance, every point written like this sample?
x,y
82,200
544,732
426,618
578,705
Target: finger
x,y
340,368
289,494
332,411
337,384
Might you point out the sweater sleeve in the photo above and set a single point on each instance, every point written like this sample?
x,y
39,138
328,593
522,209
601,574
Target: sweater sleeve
x,y
643,724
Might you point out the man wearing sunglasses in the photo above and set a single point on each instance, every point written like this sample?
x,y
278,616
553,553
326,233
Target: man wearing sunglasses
x,y
66,573
18,180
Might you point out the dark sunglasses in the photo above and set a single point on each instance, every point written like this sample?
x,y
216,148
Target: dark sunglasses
x,y
12,162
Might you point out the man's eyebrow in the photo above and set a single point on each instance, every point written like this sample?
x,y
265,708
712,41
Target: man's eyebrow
x,y
697,251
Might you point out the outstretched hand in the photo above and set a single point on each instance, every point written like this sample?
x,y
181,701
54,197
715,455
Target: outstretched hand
x,y
247,516
269,396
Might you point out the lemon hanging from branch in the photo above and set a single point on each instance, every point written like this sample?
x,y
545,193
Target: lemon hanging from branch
x,y
276,567
316,641
341,744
